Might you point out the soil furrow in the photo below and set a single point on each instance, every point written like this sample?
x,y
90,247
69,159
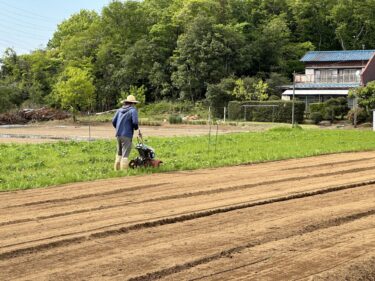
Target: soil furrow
x,y
283,220
170,197
112,192
163,198
329,164
227,253
173,220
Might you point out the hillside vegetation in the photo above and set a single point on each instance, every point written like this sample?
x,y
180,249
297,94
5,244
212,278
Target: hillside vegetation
x,y
193,50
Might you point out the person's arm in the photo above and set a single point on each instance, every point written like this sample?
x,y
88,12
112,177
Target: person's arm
x,y
114,120
135,119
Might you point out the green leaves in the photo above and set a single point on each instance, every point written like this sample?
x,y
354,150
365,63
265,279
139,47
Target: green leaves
x,y
365,95
180,48
75,90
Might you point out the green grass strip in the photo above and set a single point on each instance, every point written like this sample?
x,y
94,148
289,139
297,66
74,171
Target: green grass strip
x,y
24,166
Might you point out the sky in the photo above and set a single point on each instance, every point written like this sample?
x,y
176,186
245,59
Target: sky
x,y
26,25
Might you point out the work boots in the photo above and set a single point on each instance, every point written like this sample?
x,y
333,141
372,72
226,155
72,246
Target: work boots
x,y
117,165
124,164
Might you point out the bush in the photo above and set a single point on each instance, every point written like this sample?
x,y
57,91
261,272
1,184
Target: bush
x,y
175,119
331,108
274,97
281,113
362,115
316,117
317,107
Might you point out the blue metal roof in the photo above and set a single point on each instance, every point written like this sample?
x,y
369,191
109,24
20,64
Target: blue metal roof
x,y
328,56
327,85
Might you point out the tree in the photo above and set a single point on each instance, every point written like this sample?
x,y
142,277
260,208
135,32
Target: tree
x,y
7,96
138,92
205,54
250,88
269,44
312,22
73,27
354,23
219,95
365,95
275,81
74,90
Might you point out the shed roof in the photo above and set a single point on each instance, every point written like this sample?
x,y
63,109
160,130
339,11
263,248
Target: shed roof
x,y
316,92
333,56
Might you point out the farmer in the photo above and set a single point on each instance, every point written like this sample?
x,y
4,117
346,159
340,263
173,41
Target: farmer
x,y
125,122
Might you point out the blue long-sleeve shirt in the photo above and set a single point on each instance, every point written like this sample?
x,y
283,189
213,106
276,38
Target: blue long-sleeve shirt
x,y
125,121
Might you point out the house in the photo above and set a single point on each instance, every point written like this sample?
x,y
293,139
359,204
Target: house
x,y
331,74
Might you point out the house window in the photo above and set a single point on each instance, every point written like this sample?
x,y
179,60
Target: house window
x,y
337,76
326,76
349,75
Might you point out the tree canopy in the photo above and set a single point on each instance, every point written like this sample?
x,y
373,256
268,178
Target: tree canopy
x,y
181,49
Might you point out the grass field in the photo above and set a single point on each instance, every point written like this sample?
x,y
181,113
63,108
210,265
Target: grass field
x,y
25,166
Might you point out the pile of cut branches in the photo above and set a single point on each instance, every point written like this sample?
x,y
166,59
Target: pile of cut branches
x,y
32,115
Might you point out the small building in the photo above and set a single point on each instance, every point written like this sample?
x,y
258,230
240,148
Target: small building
x,y
331,74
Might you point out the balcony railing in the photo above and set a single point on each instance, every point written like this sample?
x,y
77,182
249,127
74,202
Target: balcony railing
x,y
336,79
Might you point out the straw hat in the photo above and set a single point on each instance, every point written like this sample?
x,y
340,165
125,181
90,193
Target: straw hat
x,y
130,99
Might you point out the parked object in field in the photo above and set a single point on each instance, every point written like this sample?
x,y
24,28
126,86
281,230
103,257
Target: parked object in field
x,y
146,156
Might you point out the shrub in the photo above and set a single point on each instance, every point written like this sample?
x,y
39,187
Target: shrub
x,y
362,115
335,108
175,119
274,97
316,117
317,107
330,109
282,112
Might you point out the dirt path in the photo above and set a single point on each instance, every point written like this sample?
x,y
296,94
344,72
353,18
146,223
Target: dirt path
x,y
287,220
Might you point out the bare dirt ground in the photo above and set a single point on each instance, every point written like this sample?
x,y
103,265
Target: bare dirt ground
x,y
304,219
65,130
24,140
55,131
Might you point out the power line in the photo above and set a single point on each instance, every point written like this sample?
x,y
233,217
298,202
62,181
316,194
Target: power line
x,y
24,24
12,44
26,16
27,11
19,33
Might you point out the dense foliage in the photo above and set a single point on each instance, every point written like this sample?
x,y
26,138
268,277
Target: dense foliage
x,y
182,49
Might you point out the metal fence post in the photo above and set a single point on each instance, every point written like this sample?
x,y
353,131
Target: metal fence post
x,y
294,92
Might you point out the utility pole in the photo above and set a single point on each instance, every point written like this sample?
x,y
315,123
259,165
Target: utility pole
x,y
294,93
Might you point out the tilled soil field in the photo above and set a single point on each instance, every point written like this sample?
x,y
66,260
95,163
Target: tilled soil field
x,y
305,219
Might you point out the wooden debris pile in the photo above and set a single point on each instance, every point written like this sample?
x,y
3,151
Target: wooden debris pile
x,y
32,115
